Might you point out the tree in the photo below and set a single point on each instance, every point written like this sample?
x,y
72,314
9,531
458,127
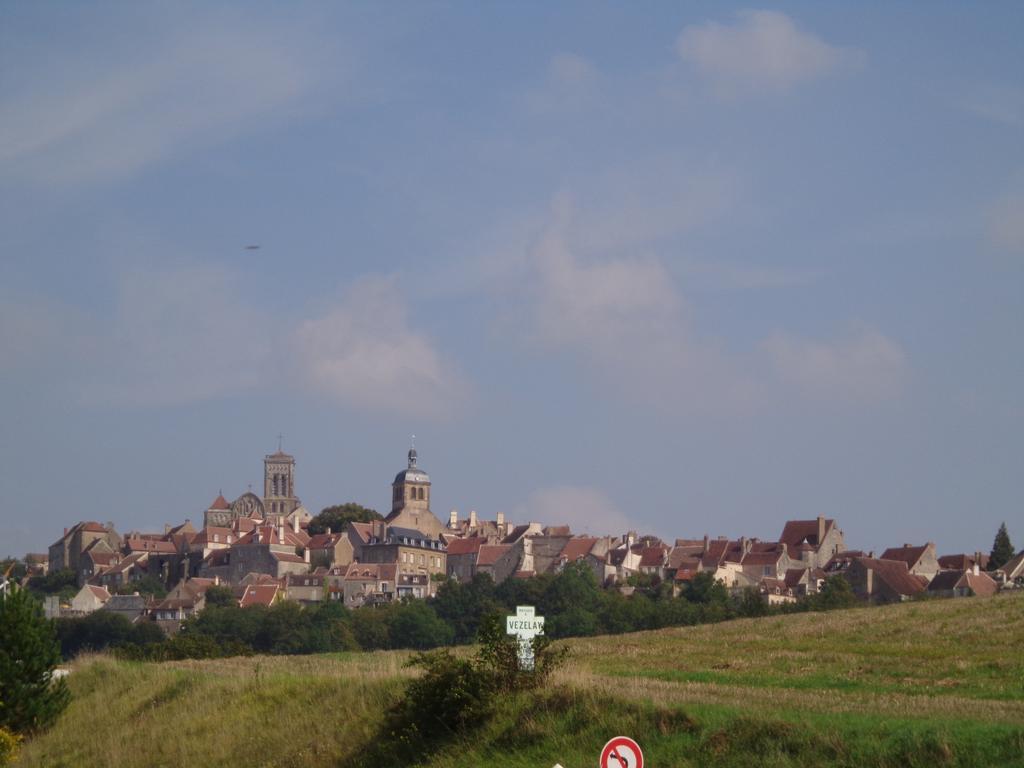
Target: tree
x,y
1002,549
147,585
337,516
30,699
220,596
415,625
706,589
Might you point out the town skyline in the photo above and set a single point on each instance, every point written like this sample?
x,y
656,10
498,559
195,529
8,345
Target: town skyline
x,y
697,269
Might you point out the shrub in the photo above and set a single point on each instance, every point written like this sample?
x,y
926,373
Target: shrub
x,y
9,743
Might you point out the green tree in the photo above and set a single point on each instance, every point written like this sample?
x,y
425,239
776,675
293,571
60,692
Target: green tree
x,y
147,585
704,588
30,699
1002,549
415,625
219,596
835,593
339,515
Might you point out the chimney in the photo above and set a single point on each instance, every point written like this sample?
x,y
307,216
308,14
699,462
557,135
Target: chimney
x,y
500,519
216,580
869,581
705,543
65,531
295,523
305,555
453,519
976,569
167,528
329,530
280,529
744,544
821,529
472,518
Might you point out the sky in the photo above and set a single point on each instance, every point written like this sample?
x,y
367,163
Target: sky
x,y
683,268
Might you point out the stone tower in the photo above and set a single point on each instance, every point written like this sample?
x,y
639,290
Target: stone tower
x,y
410,500
279,497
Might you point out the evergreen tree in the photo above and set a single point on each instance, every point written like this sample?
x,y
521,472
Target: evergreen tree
x,y
1002,549
30,700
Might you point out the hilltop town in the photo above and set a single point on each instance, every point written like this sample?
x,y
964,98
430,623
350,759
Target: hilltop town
x,y
261,547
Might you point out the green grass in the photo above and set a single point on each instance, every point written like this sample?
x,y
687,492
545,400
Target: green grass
x,y
939,683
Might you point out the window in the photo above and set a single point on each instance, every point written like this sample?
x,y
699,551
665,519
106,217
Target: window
x,y
421,559
421,494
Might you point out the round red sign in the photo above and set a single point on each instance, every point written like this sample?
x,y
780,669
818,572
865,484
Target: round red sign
x,y
622,752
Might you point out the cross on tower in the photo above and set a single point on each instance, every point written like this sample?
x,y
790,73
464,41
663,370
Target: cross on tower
x,y
280,438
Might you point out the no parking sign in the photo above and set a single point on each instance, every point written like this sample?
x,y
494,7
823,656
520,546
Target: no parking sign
x,y
622,752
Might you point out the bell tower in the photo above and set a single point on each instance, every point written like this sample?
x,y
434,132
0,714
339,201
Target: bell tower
x,y
410,499
279,499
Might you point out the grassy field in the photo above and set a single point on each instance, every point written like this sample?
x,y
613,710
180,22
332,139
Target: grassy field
x,y
924,684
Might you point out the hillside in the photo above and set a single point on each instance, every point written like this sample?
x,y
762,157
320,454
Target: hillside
x,y
931,683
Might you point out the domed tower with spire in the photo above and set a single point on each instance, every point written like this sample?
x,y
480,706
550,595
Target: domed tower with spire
x,y
410,500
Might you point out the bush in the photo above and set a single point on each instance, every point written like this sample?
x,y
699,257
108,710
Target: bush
x,y
9,743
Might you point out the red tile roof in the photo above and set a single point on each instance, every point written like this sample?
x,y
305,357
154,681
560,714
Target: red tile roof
x,y
797,532
92,527
489,554
578,547
469,546
140,544
895,574
220,503
259,594
909,555
371,572
652,557
99,592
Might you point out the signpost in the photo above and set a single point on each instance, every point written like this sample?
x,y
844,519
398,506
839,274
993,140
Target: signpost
x,y
525,625
622,752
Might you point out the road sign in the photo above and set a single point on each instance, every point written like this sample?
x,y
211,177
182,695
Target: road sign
x,y
525,625
622,752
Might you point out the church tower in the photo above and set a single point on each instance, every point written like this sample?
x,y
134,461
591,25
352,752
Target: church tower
x,y
279,497
410,500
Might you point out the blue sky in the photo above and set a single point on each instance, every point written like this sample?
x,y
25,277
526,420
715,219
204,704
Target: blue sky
x,y
684,268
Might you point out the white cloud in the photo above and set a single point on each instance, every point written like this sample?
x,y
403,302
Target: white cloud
x,y
107,113
762,49
1006,223
364,354
867,366
584,509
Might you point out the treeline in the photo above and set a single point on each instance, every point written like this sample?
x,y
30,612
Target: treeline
x,y
572,602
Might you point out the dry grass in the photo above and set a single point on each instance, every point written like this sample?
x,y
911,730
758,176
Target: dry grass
x,y
943,664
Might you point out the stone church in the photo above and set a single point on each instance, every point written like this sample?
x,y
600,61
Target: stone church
x,y
410,501
278,504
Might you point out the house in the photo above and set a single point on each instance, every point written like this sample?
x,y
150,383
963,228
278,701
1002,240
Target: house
x,y
499,561
804,581
370,583
306,588
186,599
66,552
963,562
775,591
265,594
462,555
1011,574
963,583
89,598
883,581
132,607
266,549
413,551
920,560
130,568
492,531
812,542
653,560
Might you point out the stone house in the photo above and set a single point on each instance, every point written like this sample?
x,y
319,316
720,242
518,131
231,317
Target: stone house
x,y
883,581
462,555
264,593
812,542
1012,574
920,560
370,583
89,598
66,552
132,607
963,562
775,591
414,552
963,583
499,561
306,588
186,599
